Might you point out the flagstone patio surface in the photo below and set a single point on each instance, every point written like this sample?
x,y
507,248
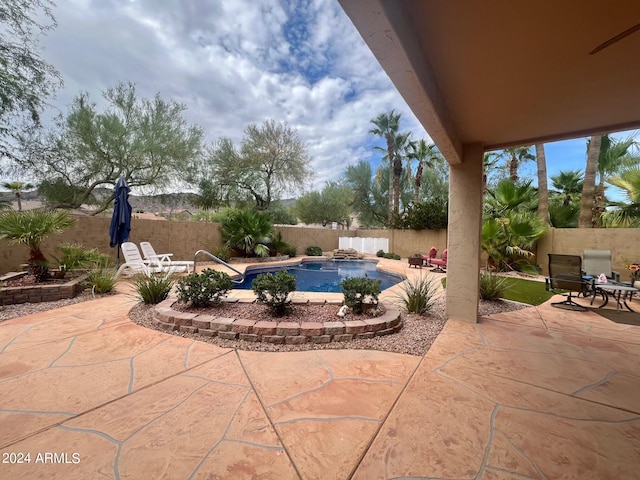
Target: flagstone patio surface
x,y
540,393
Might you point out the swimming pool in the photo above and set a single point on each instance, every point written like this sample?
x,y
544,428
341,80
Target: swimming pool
x,y
324,275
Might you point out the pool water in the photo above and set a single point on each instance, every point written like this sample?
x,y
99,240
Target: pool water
x,y
325,275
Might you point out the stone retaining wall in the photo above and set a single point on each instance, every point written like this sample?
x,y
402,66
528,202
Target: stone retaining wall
x,y
42,293
286,332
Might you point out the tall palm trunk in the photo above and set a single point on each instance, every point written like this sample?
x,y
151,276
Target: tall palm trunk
x,y
397,174
418,183
543,192
391,156
588,187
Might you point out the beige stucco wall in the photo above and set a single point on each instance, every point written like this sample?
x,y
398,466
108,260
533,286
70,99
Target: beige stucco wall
x,y
624,244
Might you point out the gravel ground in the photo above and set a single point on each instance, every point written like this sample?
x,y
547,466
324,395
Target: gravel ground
x,y
415,338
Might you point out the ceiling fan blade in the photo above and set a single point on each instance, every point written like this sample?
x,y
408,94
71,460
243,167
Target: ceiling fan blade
x,y
615,39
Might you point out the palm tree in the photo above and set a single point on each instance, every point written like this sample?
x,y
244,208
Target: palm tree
x,y
516,157
509,196
588,187
625,214
425,154
248,231
31,228
614,156
568,185
17,188
387,126
543,193
401,142
489,161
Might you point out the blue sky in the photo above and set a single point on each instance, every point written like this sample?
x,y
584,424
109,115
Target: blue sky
x,y
238,62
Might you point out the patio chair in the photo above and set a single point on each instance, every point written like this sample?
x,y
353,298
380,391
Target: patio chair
x,y
433,251
440,263
133,262
565,273
163,260
596,262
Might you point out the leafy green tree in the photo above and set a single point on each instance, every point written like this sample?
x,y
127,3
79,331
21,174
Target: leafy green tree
x,y
332,204
370,194
17,188
387,126
26,80
625,214
247,231
271,162
149,142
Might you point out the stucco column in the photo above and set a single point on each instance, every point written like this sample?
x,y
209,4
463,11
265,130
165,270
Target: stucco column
x,y
465,220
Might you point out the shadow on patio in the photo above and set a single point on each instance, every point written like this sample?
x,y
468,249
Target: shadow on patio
x,y
536,393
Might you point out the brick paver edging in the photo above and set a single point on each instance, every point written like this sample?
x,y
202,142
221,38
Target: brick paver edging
x,y
287,332
42,293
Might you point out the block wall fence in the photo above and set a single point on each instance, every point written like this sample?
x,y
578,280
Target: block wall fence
x,y
184,238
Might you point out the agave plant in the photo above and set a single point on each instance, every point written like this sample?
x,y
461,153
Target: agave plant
x,y
248,231
31,228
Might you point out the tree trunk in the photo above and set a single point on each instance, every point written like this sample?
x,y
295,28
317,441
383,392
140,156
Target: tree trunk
x,y
19,198
397,173
543,194
589,185
513,168
391,155
418,183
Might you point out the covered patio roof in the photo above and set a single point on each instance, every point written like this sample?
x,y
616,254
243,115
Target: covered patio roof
x,y
501,73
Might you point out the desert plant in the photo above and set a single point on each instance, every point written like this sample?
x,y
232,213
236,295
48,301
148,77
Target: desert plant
x,y
291,251
314,251
418,294
75,256
380,253
102,279
153,289
492,286
273,289
200,290
356,290
31,228
222,253
248,231
278,244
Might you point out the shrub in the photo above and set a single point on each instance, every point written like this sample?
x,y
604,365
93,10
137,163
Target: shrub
x,y
222,253
357,289
380,253
154,289
393,256
278,244
204,288
314,251
492,286
273,289
248,231
102,279
418,294
75,256
291,251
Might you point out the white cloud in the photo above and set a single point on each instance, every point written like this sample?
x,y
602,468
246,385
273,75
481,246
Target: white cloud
x,y
234,63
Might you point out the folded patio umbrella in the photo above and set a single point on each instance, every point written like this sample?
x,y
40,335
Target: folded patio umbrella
x,y
121,219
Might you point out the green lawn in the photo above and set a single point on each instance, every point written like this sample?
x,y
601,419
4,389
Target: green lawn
x,y
525,291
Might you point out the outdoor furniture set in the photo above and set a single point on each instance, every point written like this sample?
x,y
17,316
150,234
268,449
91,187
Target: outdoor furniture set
x,y
430,260
592,277
152,262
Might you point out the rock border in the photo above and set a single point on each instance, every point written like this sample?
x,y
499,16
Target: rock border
x,y
280,332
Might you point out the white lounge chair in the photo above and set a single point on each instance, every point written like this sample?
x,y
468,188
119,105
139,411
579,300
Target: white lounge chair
x,y
163,260
133,262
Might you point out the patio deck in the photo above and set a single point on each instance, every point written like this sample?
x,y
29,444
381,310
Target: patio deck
x,y
540,393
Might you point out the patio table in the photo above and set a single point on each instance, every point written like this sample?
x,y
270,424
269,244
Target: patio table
x,y
617,291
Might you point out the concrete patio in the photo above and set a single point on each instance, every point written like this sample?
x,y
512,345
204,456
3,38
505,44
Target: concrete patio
x,y
540,393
